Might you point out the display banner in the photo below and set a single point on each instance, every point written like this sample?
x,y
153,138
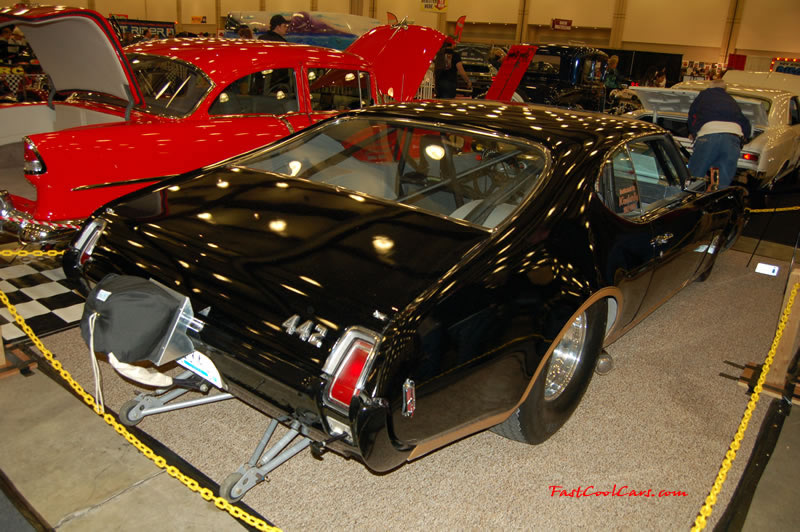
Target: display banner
x,y
159,29
434,6
786,65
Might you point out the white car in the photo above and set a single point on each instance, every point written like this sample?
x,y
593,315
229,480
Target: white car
x,y
773,150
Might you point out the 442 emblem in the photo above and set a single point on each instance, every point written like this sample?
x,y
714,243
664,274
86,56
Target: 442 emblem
x,y
308,331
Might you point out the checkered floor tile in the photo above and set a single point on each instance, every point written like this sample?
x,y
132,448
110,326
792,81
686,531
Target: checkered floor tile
x,y
38,291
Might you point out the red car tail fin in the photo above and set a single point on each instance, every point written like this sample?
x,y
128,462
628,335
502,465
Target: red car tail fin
x,y
34,164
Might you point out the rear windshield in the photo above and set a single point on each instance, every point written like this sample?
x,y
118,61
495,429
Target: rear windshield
x,y
460,174
170,87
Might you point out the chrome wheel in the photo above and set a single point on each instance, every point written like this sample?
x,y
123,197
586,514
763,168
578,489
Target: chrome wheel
x,y
565,359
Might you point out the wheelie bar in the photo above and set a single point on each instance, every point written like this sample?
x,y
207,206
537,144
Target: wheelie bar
x,y
133,411
255,471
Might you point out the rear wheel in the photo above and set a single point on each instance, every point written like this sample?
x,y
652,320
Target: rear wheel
x,y
561,383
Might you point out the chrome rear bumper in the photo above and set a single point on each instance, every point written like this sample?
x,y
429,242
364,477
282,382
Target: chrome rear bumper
x,y
28,230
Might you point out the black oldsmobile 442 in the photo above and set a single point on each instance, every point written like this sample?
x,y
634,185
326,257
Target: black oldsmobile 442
x,y
393,279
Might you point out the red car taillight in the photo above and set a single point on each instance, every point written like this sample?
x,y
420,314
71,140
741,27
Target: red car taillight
x,y
752,157
349,365
33,161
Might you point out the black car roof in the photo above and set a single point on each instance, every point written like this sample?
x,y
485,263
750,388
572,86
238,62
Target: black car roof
x,y
539,123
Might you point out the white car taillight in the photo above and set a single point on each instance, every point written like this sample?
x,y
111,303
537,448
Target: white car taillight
x,y
33,161
349,365
88,239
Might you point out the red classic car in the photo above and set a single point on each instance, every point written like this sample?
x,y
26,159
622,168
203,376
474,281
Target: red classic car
x,y
118,119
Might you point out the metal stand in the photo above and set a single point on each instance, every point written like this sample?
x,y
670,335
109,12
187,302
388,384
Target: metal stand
x,y
133,411
255,471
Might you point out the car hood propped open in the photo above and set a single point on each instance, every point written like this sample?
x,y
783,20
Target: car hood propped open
x,y
77,48
400,56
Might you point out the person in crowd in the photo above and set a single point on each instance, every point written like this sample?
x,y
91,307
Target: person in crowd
x,y
447,68
612,78
719,130
278,28
245,32
650,77
5,35
129,38
496,57
661,77
147,35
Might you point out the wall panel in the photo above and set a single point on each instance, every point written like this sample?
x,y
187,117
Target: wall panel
x,y
405,8
288,5
333,6
496,11
592,13
164,10
226,6
197,8
770,25
132,8
685,22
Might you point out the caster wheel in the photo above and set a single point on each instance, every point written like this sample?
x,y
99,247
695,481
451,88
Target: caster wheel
x,y
227,490
130,414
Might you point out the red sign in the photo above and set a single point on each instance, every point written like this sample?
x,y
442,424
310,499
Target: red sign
x,y
561,24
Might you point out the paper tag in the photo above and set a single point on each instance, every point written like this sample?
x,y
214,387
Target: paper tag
x,y
767,269
200,364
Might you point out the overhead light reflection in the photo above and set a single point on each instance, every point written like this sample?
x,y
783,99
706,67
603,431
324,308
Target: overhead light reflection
x,y
277,226
382,244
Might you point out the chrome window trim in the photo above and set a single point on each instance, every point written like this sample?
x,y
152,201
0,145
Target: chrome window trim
x,y
200,101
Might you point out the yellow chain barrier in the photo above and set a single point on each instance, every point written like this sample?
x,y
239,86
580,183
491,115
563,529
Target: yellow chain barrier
x,y
159,461
711,500
699,524
33,253
774,209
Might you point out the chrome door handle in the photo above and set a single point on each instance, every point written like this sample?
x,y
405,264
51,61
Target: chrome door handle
x,y
660,240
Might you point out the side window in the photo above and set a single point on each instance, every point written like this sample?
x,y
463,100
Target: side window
x,y
794,111
334,89
271,91
656,174
593,69
639,178
617,186
626,189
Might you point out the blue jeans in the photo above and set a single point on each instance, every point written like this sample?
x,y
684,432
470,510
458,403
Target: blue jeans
x,y
720,150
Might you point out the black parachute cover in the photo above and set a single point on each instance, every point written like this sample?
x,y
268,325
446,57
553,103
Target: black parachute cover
x,y
134,316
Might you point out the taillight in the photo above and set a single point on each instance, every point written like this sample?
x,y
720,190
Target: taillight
x,y
33,161
752,157
349,365
88,239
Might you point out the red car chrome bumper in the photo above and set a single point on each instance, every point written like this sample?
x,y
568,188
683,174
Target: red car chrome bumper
x,y
28,230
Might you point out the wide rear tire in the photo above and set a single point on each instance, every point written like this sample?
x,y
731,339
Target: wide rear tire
x,y
561,383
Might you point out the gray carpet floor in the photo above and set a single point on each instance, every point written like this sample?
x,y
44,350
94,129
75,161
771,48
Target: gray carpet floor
x,y
662,420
